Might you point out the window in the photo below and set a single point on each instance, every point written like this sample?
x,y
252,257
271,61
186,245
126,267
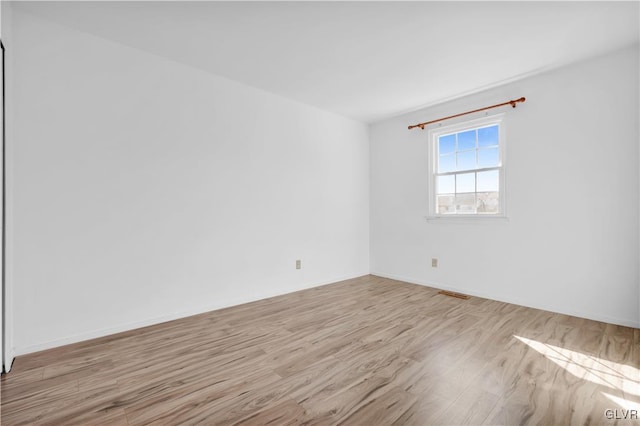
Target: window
x,y
466,173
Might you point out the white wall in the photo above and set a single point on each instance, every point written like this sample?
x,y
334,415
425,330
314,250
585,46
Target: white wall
x,y
571,242
7,41
148,190
2,369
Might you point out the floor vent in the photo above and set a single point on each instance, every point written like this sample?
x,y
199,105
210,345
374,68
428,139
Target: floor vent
x,y
452,294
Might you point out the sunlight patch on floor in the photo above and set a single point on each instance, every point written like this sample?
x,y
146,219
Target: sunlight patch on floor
x,y
623,403
621,377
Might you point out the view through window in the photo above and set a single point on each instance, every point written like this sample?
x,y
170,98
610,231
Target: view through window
x,y
468,169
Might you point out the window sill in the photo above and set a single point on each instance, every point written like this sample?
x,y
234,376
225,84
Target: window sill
x,y
467,219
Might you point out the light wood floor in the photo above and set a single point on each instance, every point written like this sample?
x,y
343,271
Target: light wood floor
x,y
360,352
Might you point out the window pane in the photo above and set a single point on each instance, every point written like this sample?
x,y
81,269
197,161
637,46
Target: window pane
x,y
467,140
488,136
465,182
446,184
489,202
447,144
466,160
489,181
488,157
447,163
466,203
446,204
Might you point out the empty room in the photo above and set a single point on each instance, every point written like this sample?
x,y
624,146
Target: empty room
x,y
301,213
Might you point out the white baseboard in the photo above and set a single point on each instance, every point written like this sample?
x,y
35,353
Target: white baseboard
x,y
170,317
186,313
9,357
596,317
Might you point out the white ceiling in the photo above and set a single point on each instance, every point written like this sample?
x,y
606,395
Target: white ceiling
x,y
365,60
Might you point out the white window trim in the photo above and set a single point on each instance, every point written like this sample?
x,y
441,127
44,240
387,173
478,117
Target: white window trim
x,y
433,135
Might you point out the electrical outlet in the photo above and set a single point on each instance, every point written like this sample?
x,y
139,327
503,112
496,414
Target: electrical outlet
x,y
298,264
434,262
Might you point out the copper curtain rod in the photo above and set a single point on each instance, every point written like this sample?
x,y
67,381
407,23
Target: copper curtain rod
x,y
426,123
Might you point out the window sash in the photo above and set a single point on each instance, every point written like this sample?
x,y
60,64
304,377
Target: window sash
x,y
457,172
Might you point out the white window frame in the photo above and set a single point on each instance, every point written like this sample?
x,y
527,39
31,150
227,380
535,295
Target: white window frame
x,y
433,136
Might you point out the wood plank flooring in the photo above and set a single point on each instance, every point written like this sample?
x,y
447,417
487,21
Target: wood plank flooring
x,y
366,351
